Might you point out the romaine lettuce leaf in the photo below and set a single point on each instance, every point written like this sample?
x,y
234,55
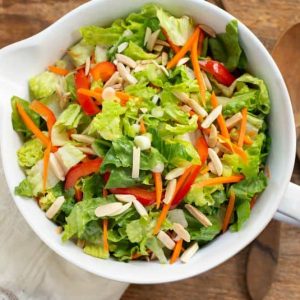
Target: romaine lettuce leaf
x,y
141,90
80,52
53,102
30,153
24,188
151,74
137,53
95,250
92,186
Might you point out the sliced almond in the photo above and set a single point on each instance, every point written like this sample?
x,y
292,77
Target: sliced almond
x,y
112,80
159,168
186,108
213,115
121,210
59,229
182,61
216,161
175,173
158,48
117,87
170,191
107,209
166,240
164,58
140,68
161,67
136,157
208,30
181,232
109,93
147,35
152,40
125,198
251,128
87,150
140,208
87,66
189,253
56,167
155,99
198,215
212,168
213,136
206,81
126,60
122,47
82,138
125,74
163,43
234,120
55,207
80,243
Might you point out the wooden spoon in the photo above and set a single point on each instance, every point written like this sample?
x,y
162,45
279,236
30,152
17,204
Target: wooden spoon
x,y
263,253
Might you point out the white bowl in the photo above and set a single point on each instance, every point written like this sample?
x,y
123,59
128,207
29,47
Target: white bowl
x,y
22,60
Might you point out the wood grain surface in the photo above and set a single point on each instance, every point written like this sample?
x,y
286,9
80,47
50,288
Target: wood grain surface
x,y
268,19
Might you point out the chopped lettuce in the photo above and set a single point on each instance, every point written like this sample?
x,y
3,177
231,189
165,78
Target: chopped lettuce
x,y
151,74
108,122
53,102
24,188
80,52
178,29
154,245
46,201
43,85
30,153
137,53
95,250
92,186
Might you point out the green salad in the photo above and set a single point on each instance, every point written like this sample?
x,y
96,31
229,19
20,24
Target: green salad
x,y
147,139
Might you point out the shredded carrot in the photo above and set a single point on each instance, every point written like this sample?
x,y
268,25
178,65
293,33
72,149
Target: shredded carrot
x,y
240,151
200,42
219,180
176,252
180,54
247,140
252,133
46,166
220,119
31,126
243,127
57,70
142,127
158,187
87,92
174,47
229,211
196,67
253,201
105,235
204,170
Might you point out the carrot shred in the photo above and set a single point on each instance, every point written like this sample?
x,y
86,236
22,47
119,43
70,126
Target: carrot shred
x,y
142,126
219,180
180,54
252,133
158,187
247,140
200,42
46,166
241,152
174,47
31,126
229,211
220,119
176,252
87,92
58,71
243,127
105,235
204,170
196,67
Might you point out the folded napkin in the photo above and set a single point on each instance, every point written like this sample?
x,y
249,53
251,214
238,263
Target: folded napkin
x,y
30,270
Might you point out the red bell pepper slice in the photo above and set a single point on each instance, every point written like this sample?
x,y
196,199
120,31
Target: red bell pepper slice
x,y
202,149
144,196
82,169
103,70
86,102
217,69
186,186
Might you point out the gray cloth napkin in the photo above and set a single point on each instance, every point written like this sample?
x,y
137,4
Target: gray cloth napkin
x,y
30,270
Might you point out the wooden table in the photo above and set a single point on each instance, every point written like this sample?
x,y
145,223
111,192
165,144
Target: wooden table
x,y
268,20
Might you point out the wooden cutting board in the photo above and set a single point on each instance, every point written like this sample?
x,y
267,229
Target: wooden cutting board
x,y
268,19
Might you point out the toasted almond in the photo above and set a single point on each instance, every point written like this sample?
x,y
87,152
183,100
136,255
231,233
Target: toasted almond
x,y
82,138
170,191
142,141
112,80
127,32
109,93
198,215
125,74
163,43
164,58
155,99
181,232
122,47
136,157
216,161
55,207
206,81
158,48
56,167
175,173
189,253
80,243
182,61
147,35
125,198
121,210
213,136
208,30
126,60
140,208
87,150
159,168
166,240
144,110
140,68
152,40
59,229
161,67
213,115
87,66
234,120
107,209
186,108
117,87
251,128
212,168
